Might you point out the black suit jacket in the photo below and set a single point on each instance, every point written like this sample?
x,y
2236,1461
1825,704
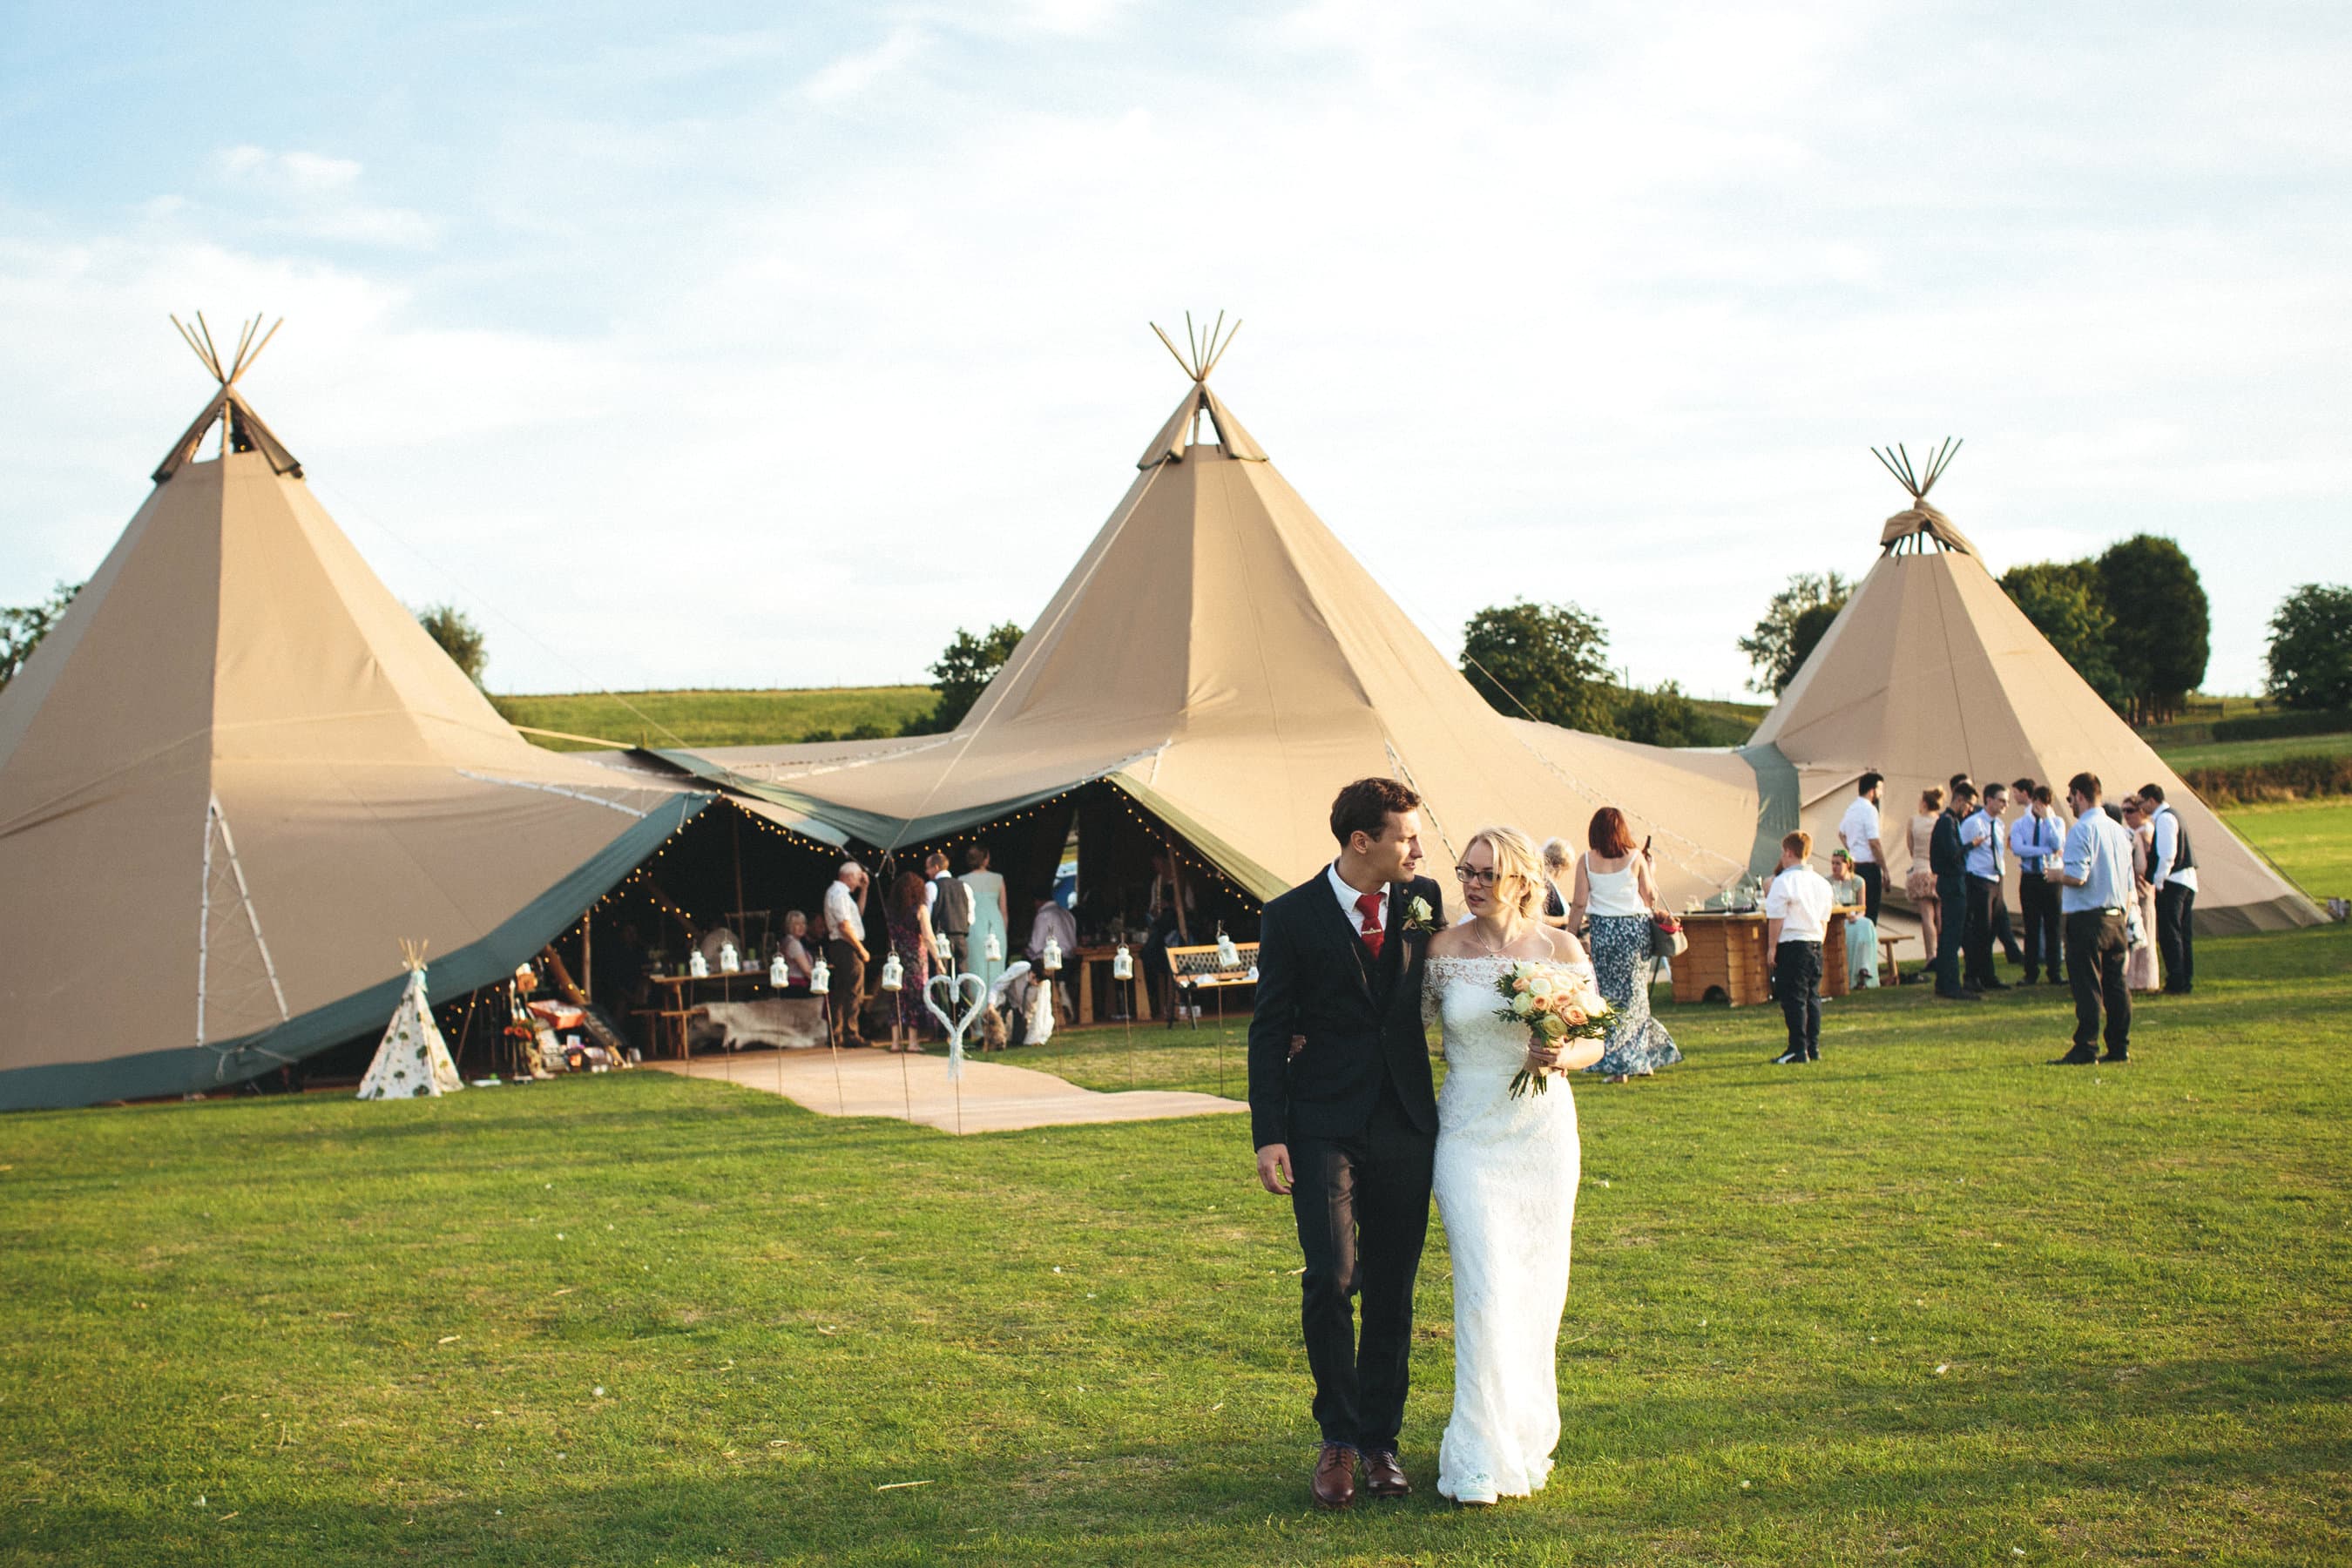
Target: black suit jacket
x,y
1946,857
1361,1016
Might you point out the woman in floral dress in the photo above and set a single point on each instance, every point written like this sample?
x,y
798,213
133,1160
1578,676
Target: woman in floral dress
x,y
1616,895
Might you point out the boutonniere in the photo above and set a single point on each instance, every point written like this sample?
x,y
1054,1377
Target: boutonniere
x,y
1420,917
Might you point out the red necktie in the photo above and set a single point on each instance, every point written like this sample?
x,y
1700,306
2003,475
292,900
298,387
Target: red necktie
x,y
1369,904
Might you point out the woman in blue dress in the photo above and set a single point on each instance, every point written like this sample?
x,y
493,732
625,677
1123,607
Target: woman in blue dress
x,y
991,917
1615,897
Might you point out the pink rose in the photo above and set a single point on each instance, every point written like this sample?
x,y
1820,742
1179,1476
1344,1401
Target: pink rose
x,y
1576,1018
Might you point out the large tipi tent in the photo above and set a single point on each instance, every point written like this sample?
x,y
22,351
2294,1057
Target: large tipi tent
x,y
1218,655
1930,669
238,772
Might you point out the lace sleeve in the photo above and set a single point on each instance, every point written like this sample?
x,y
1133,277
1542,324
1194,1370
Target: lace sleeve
x,y
1432,1005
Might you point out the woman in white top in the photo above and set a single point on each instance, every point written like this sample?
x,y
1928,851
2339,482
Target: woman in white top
x,y
1616,895
1919,883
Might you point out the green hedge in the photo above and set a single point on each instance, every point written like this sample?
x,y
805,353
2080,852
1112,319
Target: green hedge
x,y
2253,727
2289,778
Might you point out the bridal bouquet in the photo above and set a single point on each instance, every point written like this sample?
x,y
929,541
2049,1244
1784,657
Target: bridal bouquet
x,y
1554,1005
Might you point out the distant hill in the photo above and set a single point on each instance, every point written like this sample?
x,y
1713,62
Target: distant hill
x,y
660,718
820,714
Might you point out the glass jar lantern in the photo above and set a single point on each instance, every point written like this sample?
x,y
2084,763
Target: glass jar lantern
x,y
894,973
1122,964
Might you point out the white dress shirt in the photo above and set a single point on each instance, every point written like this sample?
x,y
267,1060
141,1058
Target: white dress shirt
x,y
842,921
2167,844
1799,900
2099,850
1857,827
1981,834
2037,840
1348,897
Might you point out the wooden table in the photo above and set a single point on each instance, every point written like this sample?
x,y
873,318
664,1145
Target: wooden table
x,y
670,1011
1085,960
1726,957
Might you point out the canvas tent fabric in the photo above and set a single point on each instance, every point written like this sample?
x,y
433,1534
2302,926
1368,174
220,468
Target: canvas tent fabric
x,y
1220,657
236,774
413,1061
1930,669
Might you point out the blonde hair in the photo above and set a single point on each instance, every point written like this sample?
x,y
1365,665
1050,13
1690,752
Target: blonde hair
x,y
1515,858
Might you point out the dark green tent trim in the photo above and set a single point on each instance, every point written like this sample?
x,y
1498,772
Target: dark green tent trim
x,y
194,1069
1779,811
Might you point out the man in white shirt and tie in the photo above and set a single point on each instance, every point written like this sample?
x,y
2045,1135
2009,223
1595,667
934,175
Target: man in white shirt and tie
x,y
2096,877
2038,839
1859,830
2172,869
1796,920
1984,839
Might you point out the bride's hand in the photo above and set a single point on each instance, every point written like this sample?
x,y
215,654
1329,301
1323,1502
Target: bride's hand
x,y
1541,1061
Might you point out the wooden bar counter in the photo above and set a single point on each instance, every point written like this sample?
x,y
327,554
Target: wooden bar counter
x,y
1727,959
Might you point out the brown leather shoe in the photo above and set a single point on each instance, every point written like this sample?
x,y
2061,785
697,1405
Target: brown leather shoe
x,y
1384,1474
1334,1485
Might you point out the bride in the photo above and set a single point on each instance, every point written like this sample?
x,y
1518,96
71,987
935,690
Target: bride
x,y
1506,1176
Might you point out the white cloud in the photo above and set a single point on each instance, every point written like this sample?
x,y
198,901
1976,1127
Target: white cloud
x,y
852,74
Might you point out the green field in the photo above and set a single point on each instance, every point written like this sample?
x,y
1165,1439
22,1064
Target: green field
x,y
2238,753
717,718
1928,1302
2311,841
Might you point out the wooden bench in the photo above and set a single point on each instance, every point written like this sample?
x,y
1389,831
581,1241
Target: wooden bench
x,y
1198,969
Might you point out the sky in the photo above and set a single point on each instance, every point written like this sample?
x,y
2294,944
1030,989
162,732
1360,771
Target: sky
x,y
719,350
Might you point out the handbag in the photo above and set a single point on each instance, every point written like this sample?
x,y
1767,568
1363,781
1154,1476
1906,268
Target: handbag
x,y
1666,938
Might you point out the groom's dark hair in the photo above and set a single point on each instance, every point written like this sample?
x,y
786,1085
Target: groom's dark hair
x,y
1364,807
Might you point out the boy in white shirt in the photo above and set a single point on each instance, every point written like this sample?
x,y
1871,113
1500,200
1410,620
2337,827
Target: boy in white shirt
x,y
1797,917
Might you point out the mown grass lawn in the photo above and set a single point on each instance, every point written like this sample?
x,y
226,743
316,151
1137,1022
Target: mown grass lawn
x,y
2311,841
2238,753
1931,1302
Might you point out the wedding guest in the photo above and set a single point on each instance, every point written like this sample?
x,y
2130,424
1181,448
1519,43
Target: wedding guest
x,y
2004,934
950,906
2096,877
909,921
1947,857
2173,870
2038,839
1848,891
1051,922
1796,920
1859,830
844,951
1166,926
2141,974
1556,859
1616,890
992,916
1986,842
799,964
1920,881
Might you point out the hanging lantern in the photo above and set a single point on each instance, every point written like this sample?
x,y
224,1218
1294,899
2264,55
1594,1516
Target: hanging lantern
x,y
1053,956
1228,955
697,966
995,948
894,973
727,958
780,974
1122,964
820,974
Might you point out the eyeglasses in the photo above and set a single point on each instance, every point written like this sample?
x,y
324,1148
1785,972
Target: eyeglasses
x,y
1471,878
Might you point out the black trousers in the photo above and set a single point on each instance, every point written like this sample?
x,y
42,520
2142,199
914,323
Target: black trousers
x,y
2037,900
2175,943
1978,945
1362,1206
1952,895
846,991
1873,886
2002,932
2096,945
1797,977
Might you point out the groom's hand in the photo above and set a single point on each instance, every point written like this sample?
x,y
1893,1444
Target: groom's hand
x,y
1274,1169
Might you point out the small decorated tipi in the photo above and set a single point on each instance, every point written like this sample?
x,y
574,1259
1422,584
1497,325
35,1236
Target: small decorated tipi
x,y
414,1061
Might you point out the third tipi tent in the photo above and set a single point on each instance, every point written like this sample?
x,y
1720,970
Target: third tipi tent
x,y
1930,670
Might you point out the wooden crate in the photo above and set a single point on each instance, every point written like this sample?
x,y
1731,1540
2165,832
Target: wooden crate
x,y
1727,959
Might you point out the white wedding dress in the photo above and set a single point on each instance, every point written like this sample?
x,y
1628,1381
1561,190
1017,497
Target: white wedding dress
x,y
1506,1187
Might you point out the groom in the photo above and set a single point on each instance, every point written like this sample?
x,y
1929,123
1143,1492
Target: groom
x,y
1346,1122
